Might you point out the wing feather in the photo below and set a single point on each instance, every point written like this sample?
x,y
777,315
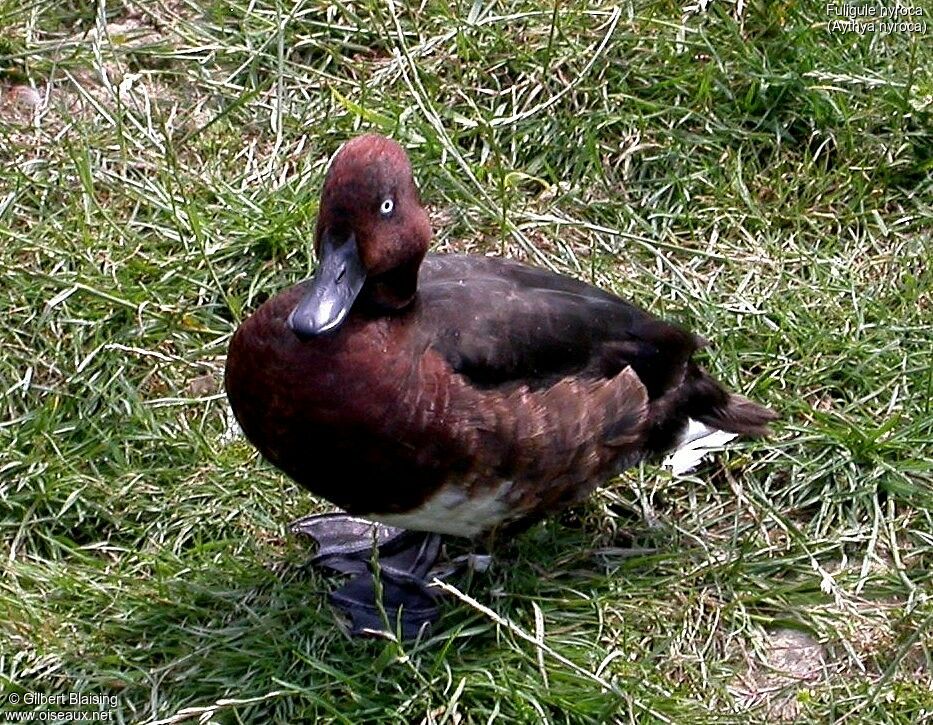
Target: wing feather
x,y
502,324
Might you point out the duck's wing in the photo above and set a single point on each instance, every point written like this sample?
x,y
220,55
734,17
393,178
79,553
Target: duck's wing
x,y
551,382
500,323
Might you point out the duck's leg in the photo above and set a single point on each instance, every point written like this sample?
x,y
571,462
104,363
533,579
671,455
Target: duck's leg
x,y
345,545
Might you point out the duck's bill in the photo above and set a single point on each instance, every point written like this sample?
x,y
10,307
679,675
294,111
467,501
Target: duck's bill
x,y
333,289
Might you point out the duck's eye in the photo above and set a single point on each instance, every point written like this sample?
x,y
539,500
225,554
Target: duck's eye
x,y
386,207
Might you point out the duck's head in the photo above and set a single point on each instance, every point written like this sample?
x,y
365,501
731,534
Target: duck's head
x,y
371,236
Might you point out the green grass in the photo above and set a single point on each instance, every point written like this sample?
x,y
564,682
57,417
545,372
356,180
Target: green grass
x,y
744,171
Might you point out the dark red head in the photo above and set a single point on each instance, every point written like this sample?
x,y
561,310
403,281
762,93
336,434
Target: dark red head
x,y
371,236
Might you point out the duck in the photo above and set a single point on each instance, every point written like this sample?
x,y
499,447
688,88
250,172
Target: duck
x,y
430,395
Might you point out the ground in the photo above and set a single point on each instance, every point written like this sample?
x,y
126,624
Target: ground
x,y
742,168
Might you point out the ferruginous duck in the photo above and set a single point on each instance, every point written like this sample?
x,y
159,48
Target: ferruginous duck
x,y
450,394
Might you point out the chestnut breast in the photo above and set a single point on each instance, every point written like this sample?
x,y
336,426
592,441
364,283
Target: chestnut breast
x,y
360,417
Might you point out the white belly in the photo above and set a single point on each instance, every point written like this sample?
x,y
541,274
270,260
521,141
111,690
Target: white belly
x,y
451,511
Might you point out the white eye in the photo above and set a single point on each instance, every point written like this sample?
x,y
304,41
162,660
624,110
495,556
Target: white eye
x,y
387,206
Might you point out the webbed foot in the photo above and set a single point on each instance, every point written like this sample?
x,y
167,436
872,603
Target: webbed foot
x,y
345,545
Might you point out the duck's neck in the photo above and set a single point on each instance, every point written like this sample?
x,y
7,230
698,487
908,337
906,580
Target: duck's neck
x,y
394,290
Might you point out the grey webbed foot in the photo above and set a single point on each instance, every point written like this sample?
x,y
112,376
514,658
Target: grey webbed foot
x,y
345,545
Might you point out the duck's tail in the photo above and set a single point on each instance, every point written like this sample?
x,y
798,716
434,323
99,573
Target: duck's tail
x,y
700,415
707,401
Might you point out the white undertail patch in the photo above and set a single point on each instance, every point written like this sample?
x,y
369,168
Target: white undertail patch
x,y
696,443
